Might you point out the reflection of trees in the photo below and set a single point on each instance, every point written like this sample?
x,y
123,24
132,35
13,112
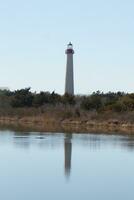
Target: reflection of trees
x,y
92,141
22,140
68,153
128,142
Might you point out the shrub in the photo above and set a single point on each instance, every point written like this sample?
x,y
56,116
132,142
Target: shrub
x,y
68,99
93,102
41,98
22,98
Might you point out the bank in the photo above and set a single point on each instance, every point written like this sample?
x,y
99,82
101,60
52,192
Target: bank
x,y
39,123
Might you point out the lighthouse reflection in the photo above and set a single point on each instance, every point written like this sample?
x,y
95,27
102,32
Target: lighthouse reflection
x,y
67,153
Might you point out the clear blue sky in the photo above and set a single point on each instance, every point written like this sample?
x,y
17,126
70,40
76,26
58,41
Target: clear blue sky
x,y
34,35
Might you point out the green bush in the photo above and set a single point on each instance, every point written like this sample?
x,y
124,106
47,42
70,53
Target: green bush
x,y
22,98
93,102
68,99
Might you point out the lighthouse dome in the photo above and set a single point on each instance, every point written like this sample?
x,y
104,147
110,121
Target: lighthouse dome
x,y
70,49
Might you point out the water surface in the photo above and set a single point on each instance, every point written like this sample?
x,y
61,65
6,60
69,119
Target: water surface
x,y
61,166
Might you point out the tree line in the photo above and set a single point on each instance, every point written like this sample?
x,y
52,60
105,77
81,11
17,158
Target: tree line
x,y
97,101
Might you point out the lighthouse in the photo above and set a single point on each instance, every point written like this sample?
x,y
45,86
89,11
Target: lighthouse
x,y
69,82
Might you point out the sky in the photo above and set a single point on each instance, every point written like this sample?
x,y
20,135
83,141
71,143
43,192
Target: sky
x,y
34,35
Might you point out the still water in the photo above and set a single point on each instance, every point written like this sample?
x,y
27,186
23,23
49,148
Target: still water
x,y
60,166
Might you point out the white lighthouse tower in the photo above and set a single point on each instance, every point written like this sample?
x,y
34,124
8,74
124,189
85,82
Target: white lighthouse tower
x,y
69,84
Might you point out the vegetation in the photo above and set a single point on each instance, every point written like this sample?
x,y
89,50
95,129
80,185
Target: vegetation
x,y
98,105
97,101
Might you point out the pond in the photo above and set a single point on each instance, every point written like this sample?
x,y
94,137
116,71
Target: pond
x,y
65,166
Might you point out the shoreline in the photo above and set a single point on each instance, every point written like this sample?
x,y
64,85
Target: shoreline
x,y
66,125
